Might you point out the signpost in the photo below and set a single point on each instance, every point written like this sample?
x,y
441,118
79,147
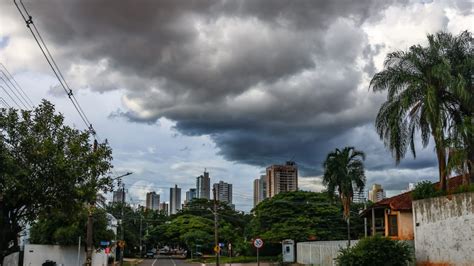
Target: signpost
x,y
258,243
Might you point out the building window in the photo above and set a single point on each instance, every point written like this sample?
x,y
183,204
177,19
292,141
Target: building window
x,y
392,225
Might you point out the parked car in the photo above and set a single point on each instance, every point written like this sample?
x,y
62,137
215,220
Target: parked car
x,y
150,255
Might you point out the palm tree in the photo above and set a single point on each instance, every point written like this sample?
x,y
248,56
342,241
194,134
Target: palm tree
x,y
459,52
344,172
418,99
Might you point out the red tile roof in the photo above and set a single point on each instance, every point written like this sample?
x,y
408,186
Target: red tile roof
x,y
403,202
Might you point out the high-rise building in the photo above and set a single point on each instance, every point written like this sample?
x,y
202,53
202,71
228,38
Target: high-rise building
x,y
359,195
376,193
164,208
203,186
190,194
119,196
223,192
175,199
281,178
152,201
259,190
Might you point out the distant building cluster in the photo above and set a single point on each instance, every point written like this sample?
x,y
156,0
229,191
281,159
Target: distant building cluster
x,y
278,179
174,205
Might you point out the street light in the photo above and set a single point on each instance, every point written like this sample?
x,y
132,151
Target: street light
x,y
121,222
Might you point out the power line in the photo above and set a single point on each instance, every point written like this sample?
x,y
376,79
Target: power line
x,y
56,70
10,77
52,63
13,100
13,90
3,102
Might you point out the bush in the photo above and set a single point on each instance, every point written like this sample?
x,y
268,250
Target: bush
x,y
424,190
376,251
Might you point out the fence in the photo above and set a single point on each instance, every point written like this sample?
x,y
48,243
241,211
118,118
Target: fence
x,y
320,252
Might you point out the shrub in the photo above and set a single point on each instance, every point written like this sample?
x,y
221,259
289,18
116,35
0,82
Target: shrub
x,y
425,189
464,188
376,251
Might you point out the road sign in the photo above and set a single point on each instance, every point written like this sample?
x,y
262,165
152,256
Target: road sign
x,y
258,243
221,245
104,243
230,246
217,249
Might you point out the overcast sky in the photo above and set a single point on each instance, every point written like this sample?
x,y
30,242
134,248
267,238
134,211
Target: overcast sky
x,y
231,86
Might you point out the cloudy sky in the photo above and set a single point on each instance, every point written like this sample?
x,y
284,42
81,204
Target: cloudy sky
x,y
230,86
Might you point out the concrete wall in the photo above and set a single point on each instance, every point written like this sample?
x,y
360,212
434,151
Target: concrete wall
x,y
320,252
12,259
63,255
444,230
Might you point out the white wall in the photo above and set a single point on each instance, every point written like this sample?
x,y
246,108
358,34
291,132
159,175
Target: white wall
x,y
65,255
320,252
11,260
444,229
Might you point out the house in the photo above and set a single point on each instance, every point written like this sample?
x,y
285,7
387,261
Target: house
x,y
393,217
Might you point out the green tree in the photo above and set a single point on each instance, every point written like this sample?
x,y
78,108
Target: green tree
x,y
46,166
430,90
60,228
344,171
300,216
458,52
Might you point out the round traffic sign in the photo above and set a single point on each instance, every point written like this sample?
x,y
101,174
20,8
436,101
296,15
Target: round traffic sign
x,y
258,243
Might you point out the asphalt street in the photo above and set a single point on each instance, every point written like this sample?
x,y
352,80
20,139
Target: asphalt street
x,y
165,261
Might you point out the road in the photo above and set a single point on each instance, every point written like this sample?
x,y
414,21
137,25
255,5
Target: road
x,y
165,261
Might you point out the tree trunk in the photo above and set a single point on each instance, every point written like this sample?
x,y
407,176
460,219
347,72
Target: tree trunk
x,y
348,232
470,163
441,154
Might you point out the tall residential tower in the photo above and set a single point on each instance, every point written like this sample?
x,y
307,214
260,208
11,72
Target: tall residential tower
x,y
152,201
203,186
281,178
223,192
259,190
175,199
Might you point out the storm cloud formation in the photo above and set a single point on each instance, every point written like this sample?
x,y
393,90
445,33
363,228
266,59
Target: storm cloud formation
x,y
269,81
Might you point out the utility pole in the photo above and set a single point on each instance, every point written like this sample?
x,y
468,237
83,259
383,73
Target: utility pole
x,y
216,226
141,235
90,221
121,225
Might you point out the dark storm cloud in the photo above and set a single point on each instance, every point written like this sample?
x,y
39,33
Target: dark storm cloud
x,y
269,81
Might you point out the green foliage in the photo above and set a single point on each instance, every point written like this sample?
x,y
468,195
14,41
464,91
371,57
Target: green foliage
x,y
46,166
60,229
430,91
375,251
464,189
344,169
425,189
301,216
150,220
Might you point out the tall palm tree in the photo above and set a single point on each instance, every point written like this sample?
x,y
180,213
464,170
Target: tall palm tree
x,y
344,172
418,99
459,52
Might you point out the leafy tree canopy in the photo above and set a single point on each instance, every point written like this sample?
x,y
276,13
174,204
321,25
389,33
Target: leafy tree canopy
x,y
301,216
46,166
